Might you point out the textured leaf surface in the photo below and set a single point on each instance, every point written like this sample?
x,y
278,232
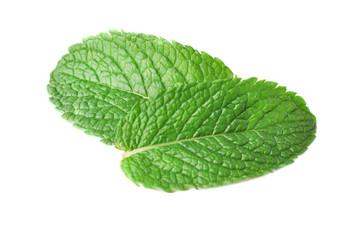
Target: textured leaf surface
x,y
207,135
99,80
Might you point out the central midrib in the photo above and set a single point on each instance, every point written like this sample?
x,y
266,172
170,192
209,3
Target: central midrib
x,y
129,153
105,85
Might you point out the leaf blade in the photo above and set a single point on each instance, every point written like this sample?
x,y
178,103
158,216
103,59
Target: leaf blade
x,y
236,122
122,63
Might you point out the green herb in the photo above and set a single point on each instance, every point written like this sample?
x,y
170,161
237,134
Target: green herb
x,y
210,134
99,80
181,116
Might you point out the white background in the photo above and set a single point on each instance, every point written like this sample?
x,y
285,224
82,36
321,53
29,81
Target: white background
x,y
58,183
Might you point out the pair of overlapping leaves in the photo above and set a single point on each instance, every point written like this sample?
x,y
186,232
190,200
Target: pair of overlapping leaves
x,y
181,116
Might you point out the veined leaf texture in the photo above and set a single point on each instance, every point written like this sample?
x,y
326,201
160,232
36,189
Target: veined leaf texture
x,y
99,80
181,116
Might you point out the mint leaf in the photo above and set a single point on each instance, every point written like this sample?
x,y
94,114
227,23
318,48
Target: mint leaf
x,y
181,116
210,134
98,81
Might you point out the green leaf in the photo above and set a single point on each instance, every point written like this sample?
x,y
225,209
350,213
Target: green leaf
x,y
183,118
99,80
210,134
